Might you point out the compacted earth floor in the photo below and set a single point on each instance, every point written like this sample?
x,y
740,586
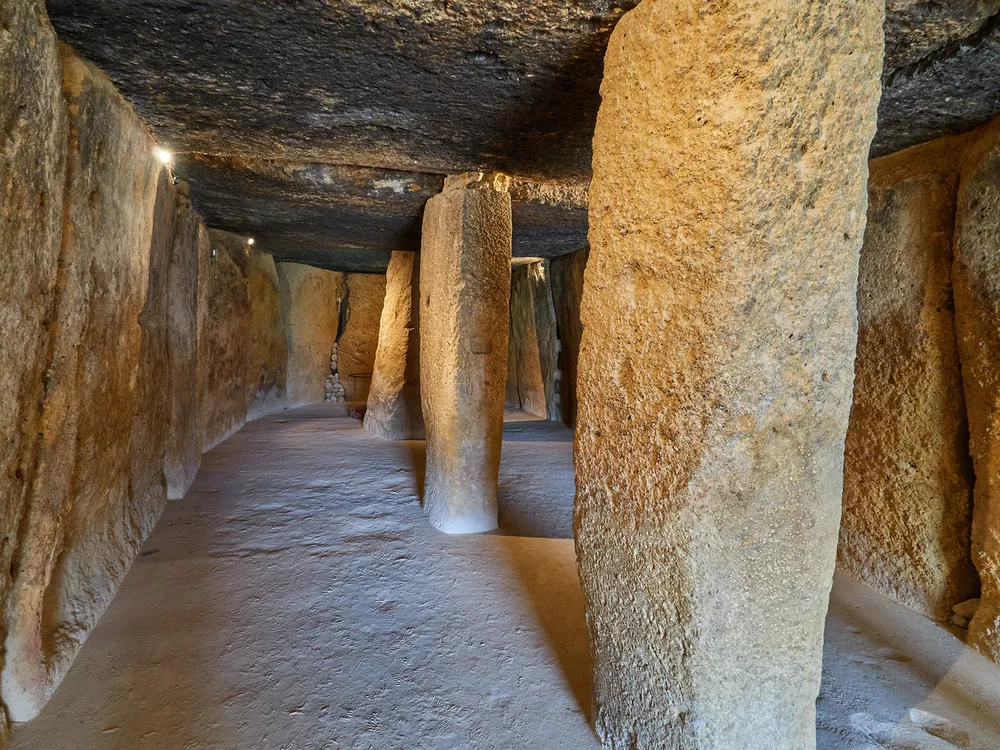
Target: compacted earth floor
x,y
297,598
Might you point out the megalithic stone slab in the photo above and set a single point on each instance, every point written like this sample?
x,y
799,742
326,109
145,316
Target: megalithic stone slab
x,y
567,292
82,530
358,341
727,212
907,472
34,133
976,279
394,410
533,339
190,257
310,313
464,320
267,353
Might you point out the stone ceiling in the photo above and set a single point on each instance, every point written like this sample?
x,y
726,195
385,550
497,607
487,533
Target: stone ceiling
x,y
321,126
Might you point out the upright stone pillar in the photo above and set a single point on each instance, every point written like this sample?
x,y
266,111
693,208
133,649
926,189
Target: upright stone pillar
x,y
394,410
465,293
976,278
727,212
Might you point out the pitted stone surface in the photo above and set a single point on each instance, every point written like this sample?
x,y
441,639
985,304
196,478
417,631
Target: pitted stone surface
x,y
719,310
358,341
82,528
907,473
267,350
464,326
394,410
533,341
567,292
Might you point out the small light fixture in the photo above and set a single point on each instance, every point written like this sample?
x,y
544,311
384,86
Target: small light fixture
x,y
250,240
215,254
163,155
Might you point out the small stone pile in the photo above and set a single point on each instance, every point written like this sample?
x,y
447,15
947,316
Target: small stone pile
x,y
334,388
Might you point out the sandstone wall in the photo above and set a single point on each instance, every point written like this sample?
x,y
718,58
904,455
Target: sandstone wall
x,y
533,342
310,314
358,341
267,350
566,275
907,473
394,410
976,277
727,211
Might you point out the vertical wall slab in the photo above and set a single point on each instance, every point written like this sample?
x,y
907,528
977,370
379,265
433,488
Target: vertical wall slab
x,y
726,218
82,530
224,338
566,275
151,421
189,257
358,341
34,131
394,410
976,279
310,314
533,340
465,301
907,473
267,350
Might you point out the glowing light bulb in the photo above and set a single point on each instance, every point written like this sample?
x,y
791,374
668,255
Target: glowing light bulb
x,y
163,155
250,240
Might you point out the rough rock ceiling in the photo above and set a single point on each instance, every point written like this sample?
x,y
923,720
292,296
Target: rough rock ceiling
x,y
412,89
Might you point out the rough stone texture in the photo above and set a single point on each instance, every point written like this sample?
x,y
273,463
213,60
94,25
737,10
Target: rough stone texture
x,y
33,137
566,278
151,421
915,29
907,513
189,259
533,336
223,339
358,340
82,527
394,410
465,305
310,313
267,348
719,310
976,279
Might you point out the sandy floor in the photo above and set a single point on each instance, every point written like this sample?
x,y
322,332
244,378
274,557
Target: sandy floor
x,y
297,599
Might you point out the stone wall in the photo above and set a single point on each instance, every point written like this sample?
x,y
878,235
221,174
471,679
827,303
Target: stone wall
x,y
124,348
358,341
566,275
310,311
908,477
532,355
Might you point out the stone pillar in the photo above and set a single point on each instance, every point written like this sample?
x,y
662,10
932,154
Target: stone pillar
x,y
976,278
727,212
394,410
465,295
907,473
533,340
359,338
567,291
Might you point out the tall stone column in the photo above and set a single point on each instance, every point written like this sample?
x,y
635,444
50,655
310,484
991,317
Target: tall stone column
x,y
727,212
394,410
464,308
976,278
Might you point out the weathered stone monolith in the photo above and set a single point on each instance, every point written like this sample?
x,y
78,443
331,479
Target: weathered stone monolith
x,y
976,279
358,341
394,410
32,180
567,291
267,350
464,308
907,473
189,258
533,339
223,338
727,211
310,313
82,528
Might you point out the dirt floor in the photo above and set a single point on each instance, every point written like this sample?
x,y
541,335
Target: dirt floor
x,y
297,598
